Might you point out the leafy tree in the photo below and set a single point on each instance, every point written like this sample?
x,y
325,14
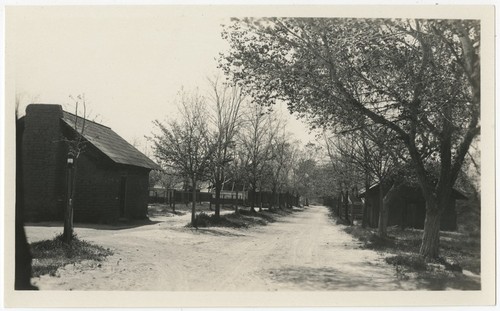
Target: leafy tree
x,y
279,165
373,151
347,174
167,178
419,78
184,144
323,181
303,174
155,178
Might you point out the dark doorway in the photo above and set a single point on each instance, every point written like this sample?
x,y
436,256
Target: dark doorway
x,y
123,193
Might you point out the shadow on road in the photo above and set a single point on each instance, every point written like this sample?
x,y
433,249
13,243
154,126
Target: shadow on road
x,y
458,282
116,226
364,276
335,279
214,232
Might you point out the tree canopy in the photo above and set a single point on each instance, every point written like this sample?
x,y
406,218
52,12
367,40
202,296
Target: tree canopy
x,y
418,78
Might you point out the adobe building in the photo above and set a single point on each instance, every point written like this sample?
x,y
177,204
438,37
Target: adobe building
x,y
111,175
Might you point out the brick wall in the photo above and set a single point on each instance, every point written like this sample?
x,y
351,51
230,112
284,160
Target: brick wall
x,y
44,161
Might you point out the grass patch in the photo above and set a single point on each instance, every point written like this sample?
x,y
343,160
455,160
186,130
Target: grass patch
x,y
270,215
458,250
232,220
229,220
50,255
338,221
155,210
414,263
266,215
281,211
243,219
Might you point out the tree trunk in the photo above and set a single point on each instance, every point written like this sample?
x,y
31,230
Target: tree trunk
x,y
339,204
254,199
237,202
274,199
364,217
218,188
68,215
278,199
346,206
364,220
193,208
430,239
260,198
173,201
383,214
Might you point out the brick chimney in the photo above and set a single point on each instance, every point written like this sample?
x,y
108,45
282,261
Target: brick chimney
x,y
44,156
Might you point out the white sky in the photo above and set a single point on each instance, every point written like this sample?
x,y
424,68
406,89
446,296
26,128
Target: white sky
x,y
129,62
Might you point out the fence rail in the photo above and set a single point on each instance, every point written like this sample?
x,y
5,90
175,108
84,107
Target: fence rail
x,y
256,199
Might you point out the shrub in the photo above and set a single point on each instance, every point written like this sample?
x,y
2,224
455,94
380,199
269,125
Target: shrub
x,y
231,220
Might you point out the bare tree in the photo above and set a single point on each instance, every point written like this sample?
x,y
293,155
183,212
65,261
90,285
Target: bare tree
x,y
283,155
236,171
256,140
76,146
184,144
225,101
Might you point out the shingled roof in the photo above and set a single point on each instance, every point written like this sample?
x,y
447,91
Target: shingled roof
x,y
456,193
110,143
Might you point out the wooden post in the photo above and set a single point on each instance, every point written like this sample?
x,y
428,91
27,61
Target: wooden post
x,y
173,200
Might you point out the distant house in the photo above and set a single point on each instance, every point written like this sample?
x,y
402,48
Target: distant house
x,y
231,191
408,209
178,193
111,175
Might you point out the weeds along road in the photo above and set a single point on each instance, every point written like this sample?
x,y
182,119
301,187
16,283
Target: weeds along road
x,y
302,251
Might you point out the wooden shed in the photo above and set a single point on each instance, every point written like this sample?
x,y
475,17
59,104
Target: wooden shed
x,y
111,175
408,208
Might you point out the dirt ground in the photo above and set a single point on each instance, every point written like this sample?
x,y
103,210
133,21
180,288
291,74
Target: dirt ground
x,y
303,251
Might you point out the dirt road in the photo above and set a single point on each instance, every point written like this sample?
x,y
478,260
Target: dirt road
x,y
303,251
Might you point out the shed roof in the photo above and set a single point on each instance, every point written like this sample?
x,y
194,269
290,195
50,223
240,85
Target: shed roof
x,y
110,143
456,193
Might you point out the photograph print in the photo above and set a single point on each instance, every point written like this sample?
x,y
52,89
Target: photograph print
x,y
256,151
